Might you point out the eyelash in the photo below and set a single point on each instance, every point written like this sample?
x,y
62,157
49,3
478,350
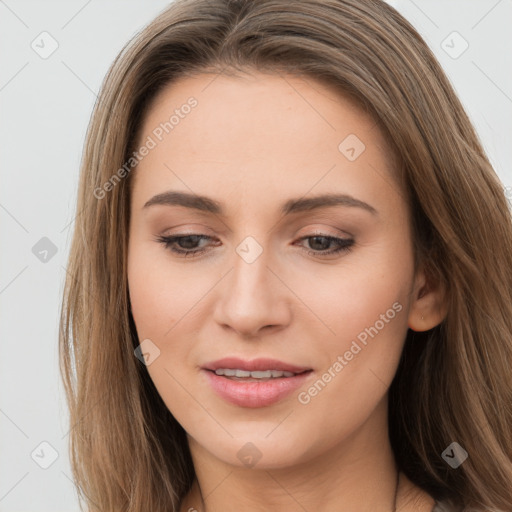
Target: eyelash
x,y
344,244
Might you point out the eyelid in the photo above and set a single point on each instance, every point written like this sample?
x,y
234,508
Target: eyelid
x,y
199,229
307,232
316,231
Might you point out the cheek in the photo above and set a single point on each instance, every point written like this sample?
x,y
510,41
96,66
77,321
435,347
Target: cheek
x,y
144,295
166,303
366,310
151,306
352,296
161,296
161,306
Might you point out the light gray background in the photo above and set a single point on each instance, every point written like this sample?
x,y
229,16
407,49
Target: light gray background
x,y
45,108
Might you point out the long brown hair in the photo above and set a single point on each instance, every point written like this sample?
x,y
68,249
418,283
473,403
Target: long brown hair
x,y
454,382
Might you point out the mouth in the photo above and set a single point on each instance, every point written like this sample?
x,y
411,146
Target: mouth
x,y
256,383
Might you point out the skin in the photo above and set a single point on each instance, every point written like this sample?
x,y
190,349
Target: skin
x,y
252,143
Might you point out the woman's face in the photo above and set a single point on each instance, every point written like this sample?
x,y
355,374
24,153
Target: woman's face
x,y
268,283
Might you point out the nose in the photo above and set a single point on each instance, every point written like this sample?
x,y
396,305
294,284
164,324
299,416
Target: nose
x,y
253,298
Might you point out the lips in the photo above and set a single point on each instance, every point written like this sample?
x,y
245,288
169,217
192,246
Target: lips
x,y
248,392
260,364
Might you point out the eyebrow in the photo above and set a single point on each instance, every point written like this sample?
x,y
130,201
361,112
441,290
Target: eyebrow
x,y
209,205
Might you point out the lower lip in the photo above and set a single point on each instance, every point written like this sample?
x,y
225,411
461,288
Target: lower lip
x,y
255,394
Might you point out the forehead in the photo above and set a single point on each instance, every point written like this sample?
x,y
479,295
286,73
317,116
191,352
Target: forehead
x,y
259,105
286,132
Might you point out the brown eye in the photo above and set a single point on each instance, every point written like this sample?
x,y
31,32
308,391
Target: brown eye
x,y
319,244
184,245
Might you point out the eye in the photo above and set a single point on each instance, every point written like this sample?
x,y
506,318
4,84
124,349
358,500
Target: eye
x,y
186,245
187,242
319,241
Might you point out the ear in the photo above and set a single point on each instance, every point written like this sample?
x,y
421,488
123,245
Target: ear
x,y
428,306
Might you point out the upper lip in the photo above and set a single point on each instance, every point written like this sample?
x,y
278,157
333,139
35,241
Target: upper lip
x,y
259,364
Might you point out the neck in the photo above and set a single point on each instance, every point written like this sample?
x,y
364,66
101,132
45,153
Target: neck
x,y
359,472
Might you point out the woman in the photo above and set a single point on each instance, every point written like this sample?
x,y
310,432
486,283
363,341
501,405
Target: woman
x,y
290,283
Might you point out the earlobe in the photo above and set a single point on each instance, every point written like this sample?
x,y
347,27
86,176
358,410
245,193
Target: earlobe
x,y
428,308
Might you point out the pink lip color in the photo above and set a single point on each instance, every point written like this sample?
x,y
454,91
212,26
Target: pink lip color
x,y
254,394
262,363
